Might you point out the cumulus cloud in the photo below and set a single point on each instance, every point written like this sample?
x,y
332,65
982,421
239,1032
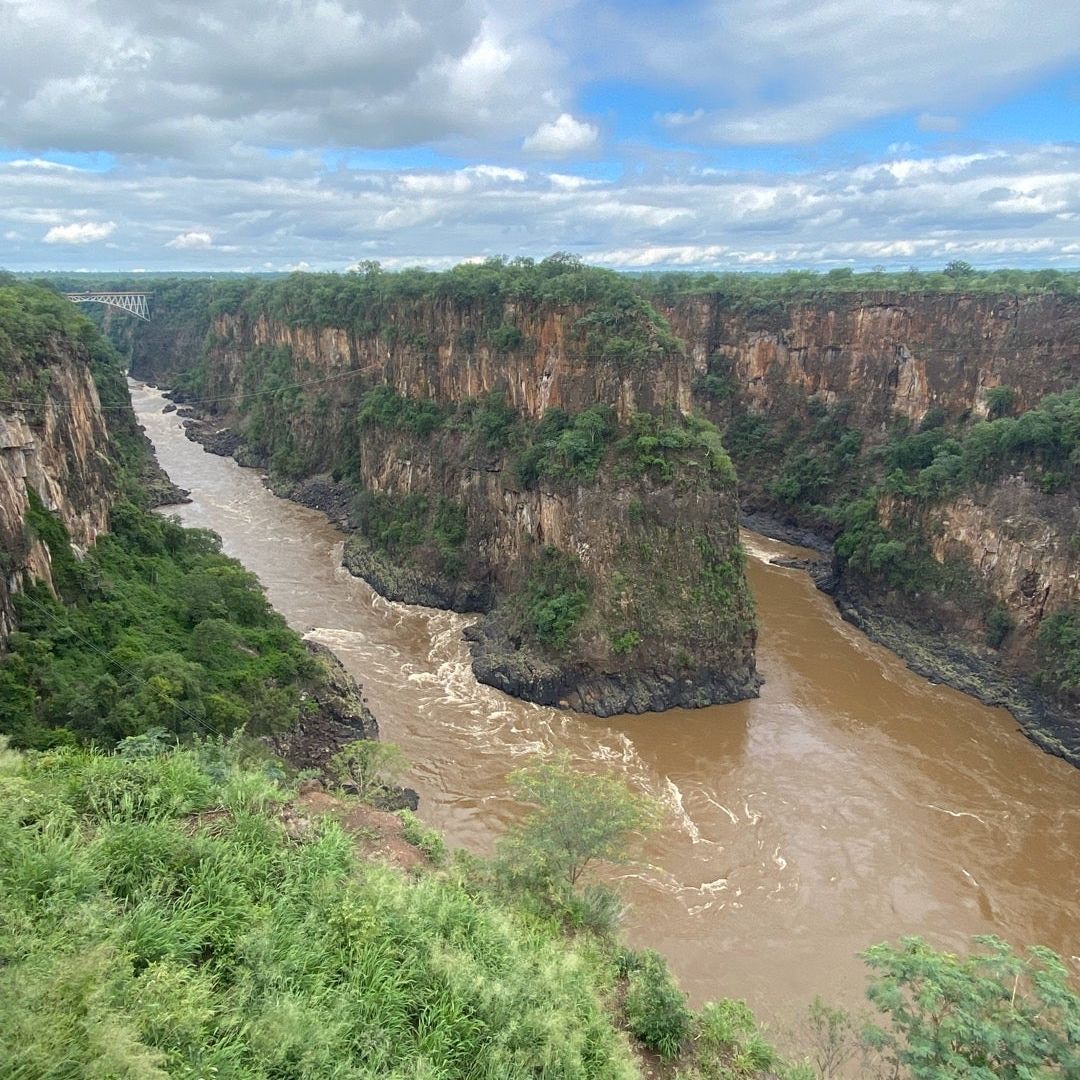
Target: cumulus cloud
x,y
266,72
81,232
188,241
562,137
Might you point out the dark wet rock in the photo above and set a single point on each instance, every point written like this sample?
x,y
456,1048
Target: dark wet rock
x,y
510,666
787,532
170,408
336,715
943,657
322,493
222,441
410,584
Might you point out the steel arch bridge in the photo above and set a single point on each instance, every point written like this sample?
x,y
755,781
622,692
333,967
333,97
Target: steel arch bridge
x,y
134,303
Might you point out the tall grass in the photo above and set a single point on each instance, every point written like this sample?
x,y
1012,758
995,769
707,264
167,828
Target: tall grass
x,y
157,921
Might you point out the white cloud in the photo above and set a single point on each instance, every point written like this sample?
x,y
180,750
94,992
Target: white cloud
x,y
269,72
991,207
84,232
40,163
566,182
188,241
562,137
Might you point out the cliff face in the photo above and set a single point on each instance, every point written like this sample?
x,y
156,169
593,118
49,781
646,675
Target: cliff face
x,y
810,396
889,354
436,353
59,447
823,396
620,590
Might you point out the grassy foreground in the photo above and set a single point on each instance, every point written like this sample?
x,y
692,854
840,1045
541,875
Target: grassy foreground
x,y
156,919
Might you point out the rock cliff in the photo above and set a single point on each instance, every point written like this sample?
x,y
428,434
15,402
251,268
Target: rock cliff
x,y
59,447
814,397
888,354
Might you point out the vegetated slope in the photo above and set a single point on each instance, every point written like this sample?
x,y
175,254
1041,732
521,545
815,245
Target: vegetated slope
x,y
160,921
510,439
114,620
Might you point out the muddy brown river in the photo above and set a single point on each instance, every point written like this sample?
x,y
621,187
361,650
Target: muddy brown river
x,y
852,802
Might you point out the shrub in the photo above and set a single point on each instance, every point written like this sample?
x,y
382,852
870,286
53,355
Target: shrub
x,y
578,818
554,598
998,625
1058,646
369,768
429,841
1000,401
991,1013
656,1009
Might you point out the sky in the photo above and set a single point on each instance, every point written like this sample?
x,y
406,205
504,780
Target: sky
x,y
269,135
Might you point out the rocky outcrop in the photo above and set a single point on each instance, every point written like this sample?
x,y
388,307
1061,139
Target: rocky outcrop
x,y
60,448
668,619
338,715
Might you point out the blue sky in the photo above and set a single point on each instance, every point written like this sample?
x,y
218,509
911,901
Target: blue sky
x,y
721,134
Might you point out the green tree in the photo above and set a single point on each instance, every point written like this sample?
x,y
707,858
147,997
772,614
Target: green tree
x,y
958,268
578,818
989,1015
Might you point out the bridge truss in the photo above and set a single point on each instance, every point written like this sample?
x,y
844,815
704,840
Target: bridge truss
x,y
134,303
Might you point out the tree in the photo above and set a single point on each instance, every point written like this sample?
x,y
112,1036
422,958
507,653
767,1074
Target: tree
x,y
958,268
992,1014
579,818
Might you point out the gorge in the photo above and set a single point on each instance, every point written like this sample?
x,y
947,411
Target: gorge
x,y
468,409
852,800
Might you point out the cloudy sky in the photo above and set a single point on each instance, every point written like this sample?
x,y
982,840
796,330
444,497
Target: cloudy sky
x,y
761,134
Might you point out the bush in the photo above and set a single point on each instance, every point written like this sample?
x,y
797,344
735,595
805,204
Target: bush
x,y
968,1017
728,1044
656,1009
429,841
1000,401
1058,646
554,599
998,625
370,769
578,818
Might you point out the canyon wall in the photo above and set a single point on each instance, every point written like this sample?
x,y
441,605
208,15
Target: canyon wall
x,y
823,404
59,447
812,397
888,354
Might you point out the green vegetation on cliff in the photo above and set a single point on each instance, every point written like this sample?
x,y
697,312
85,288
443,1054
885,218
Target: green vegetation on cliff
x,y
769,292
154,628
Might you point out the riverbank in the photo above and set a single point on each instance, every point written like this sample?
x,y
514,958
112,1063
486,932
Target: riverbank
x,y
930,653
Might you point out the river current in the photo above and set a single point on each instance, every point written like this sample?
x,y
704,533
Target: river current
x,y
853,802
